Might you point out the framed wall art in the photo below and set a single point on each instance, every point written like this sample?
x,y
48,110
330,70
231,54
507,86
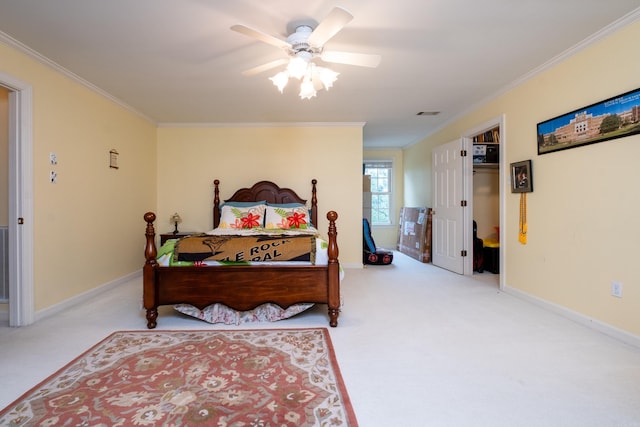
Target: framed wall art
x,y
113,159
521,177
612,118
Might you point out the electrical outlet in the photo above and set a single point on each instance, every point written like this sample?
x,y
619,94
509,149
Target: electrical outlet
x,y
53,177
53,159
616,289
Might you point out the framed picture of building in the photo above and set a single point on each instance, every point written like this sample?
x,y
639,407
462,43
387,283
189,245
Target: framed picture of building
x,y
612,118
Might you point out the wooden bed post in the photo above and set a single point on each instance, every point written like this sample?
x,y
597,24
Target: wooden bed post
x,y
314,203
216,203
333,288
149,272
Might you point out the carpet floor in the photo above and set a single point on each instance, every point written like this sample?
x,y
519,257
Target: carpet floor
x,y
283,377
417,346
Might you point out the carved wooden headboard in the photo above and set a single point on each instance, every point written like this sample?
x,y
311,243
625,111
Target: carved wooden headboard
x,y
265,190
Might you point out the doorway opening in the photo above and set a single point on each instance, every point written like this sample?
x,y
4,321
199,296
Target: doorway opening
x,y
485,186
20,200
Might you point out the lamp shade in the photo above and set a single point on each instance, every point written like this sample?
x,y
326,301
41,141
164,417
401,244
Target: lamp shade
x,y
297,67
326,76
307,91
280,80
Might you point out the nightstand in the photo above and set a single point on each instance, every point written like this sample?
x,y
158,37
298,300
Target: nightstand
x,y
166,236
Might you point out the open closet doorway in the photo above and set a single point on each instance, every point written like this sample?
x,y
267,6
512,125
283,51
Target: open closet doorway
x,y
486,195
20,200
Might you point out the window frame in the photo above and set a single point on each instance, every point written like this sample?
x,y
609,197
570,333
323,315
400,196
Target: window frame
x,y
381,164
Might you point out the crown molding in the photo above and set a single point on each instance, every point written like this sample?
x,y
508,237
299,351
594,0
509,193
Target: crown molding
x,y
262,125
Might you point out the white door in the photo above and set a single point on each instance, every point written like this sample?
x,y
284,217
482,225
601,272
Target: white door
x,y
448,195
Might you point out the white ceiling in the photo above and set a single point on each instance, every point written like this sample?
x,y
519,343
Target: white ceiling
x,y
177,61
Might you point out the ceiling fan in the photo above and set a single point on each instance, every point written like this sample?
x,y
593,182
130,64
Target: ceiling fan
x,y
304,46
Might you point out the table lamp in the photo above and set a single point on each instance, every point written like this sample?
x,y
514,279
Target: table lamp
x,y
175,219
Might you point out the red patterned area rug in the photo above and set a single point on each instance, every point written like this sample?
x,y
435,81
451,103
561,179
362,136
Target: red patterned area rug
x,y
274,377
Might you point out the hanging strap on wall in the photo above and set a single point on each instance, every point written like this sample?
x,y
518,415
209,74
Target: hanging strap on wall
x,y
522,226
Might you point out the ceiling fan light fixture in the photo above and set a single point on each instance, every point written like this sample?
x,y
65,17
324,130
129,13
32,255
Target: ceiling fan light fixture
x,y
280,80
313,78
303,46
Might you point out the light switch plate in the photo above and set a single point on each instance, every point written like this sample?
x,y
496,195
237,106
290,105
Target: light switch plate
x,y
616,289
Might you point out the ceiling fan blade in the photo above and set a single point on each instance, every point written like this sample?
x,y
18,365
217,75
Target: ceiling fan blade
x,y
259,35
329,26
264,67
349,58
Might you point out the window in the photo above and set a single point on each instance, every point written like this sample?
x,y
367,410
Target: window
x,y
381,172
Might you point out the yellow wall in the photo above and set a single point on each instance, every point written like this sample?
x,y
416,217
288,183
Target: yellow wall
x,y
88,228
582,215
387,236
191,158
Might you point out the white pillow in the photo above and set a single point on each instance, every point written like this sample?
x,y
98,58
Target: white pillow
x,y
242,217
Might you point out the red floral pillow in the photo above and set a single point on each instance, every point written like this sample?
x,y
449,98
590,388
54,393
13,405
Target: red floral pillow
x,y
286,217
242,217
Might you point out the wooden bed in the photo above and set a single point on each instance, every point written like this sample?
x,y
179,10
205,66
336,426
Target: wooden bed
x,y
244,287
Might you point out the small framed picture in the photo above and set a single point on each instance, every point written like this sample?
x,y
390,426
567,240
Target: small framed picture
x,y
521,177
113,159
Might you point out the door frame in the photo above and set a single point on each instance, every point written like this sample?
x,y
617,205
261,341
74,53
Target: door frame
x,y
21,290
468,189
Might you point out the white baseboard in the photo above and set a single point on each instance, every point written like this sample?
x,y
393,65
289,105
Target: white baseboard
x,y
78,299
595,324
